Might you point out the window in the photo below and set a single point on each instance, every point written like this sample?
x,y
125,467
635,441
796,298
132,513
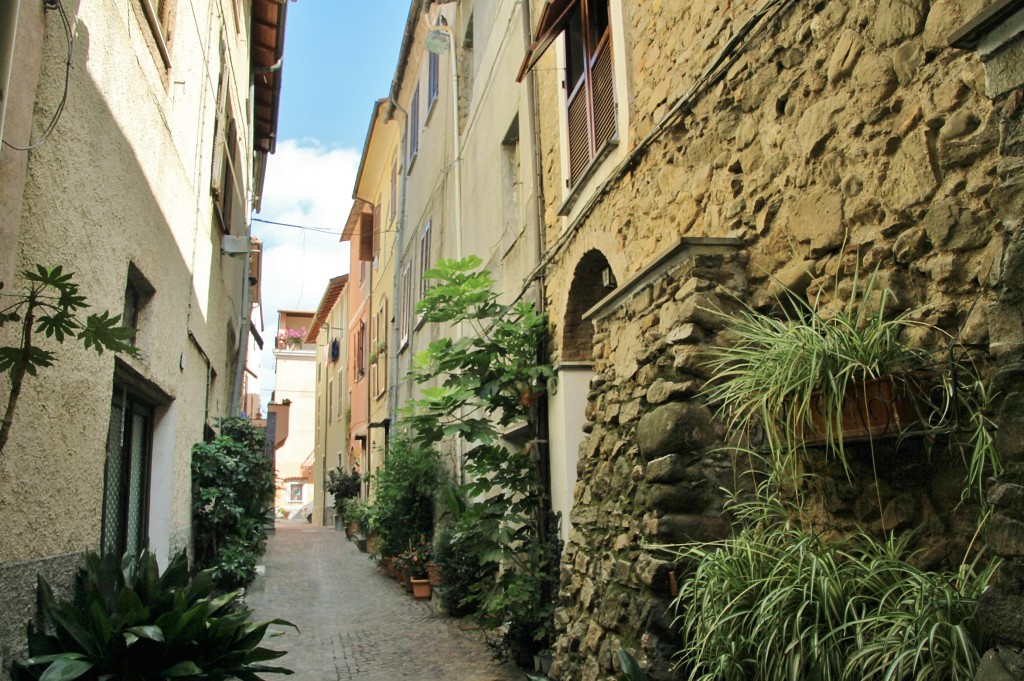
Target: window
x,y
126,475
160,17
377,227
424,265
330,399
373,354
589,81
136,294
394,189
404,305
360,351
414,126
224,196
511,211
295,492
381,348
341,384
590,93
433,62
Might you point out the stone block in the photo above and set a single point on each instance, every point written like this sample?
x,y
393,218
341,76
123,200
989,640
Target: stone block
x,y
1005,536
897,20
1002,614
673,428
673,468
991,668
662,391
684,528
680,497
1007,497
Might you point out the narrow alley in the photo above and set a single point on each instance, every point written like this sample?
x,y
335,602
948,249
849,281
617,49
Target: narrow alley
x,y
355,623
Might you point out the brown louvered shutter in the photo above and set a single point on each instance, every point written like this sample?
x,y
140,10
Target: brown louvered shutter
x,y
376,229
579,133
603,87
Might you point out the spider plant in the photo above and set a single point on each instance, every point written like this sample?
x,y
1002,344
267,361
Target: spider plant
x,y
776,602
784,371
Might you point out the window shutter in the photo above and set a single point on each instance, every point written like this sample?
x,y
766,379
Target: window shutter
x,y
603,88
217,169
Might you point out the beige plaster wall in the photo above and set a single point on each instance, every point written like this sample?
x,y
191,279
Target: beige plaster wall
x,y
124,178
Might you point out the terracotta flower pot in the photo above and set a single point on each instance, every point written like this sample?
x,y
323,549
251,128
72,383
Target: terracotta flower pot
x,y
870,409
420,588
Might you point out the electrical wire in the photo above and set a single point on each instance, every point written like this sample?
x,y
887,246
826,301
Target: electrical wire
x,y
321,230
70,38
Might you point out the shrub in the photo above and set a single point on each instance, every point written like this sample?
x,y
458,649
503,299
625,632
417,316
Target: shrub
x,y
460,567
342,486
128,622
233,489
403,509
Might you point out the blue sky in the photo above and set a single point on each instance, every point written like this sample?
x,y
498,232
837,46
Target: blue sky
x,y
339,58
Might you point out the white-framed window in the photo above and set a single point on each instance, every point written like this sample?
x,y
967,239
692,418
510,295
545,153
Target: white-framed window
x,y
424,266
296,492
405,306
414,126
433,85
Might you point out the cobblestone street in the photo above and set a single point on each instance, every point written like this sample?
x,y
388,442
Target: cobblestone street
x,y
356,623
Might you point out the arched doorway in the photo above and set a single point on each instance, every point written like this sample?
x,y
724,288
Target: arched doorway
x,y
592,280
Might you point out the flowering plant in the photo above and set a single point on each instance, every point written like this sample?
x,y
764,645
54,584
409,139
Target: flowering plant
x,y
413,561
292,336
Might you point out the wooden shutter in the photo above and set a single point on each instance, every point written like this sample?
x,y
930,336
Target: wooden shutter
x,y
603,88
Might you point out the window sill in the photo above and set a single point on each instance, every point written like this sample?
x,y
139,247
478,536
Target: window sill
x,y
588,173
412,162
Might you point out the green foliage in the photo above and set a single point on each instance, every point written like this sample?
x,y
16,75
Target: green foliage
x,y
356,510
475,387
342,485
233,489
50,304
782,372
128,622
777,602
457,553
403,506
769,376
630,669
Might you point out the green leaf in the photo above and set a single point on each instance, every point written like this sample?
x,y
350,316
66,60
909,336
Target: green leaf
x,y
149,632
186,668
66,669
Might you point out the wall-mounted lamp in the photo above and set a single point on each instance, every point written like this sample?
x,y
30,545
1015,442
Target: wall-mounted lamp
x,y
437,41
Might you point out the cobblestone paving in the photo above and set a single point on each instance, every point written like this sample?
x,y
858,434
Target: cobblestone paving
x,y
356,624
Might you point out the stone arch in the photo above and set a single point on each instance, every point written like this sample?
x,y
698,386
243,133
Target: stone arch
x,y
592,280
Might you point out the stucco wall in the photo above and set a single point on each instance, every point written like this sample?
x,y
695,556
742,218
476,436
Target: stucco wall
x,y
124,178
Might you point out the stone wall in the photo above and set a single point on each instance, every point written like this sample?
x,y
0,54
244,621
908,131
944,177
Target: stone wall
x,y
846,137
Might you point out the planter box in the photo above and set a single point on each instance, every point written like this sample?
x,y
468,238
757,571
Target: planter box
x,y
870,409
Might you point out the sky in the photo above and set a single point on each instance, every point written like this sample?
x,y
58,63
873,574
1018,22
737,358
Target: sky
x,y
339,57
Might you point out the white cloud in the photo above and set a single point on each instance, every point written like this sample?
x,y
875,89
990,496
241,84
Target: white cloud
x,y
311,185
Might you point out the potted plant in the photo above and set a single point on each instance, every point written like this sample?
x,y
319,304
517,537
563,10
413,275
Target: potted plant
x,y
343,486
415,560
811,375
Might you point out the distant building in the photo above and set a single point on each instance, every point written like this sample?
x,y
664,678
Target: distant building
x,y
295,385
330,334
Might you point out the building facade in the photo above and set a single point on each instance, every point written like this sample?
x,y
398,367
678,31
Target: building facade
x,y
696,155
131,157
295,383
329,333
